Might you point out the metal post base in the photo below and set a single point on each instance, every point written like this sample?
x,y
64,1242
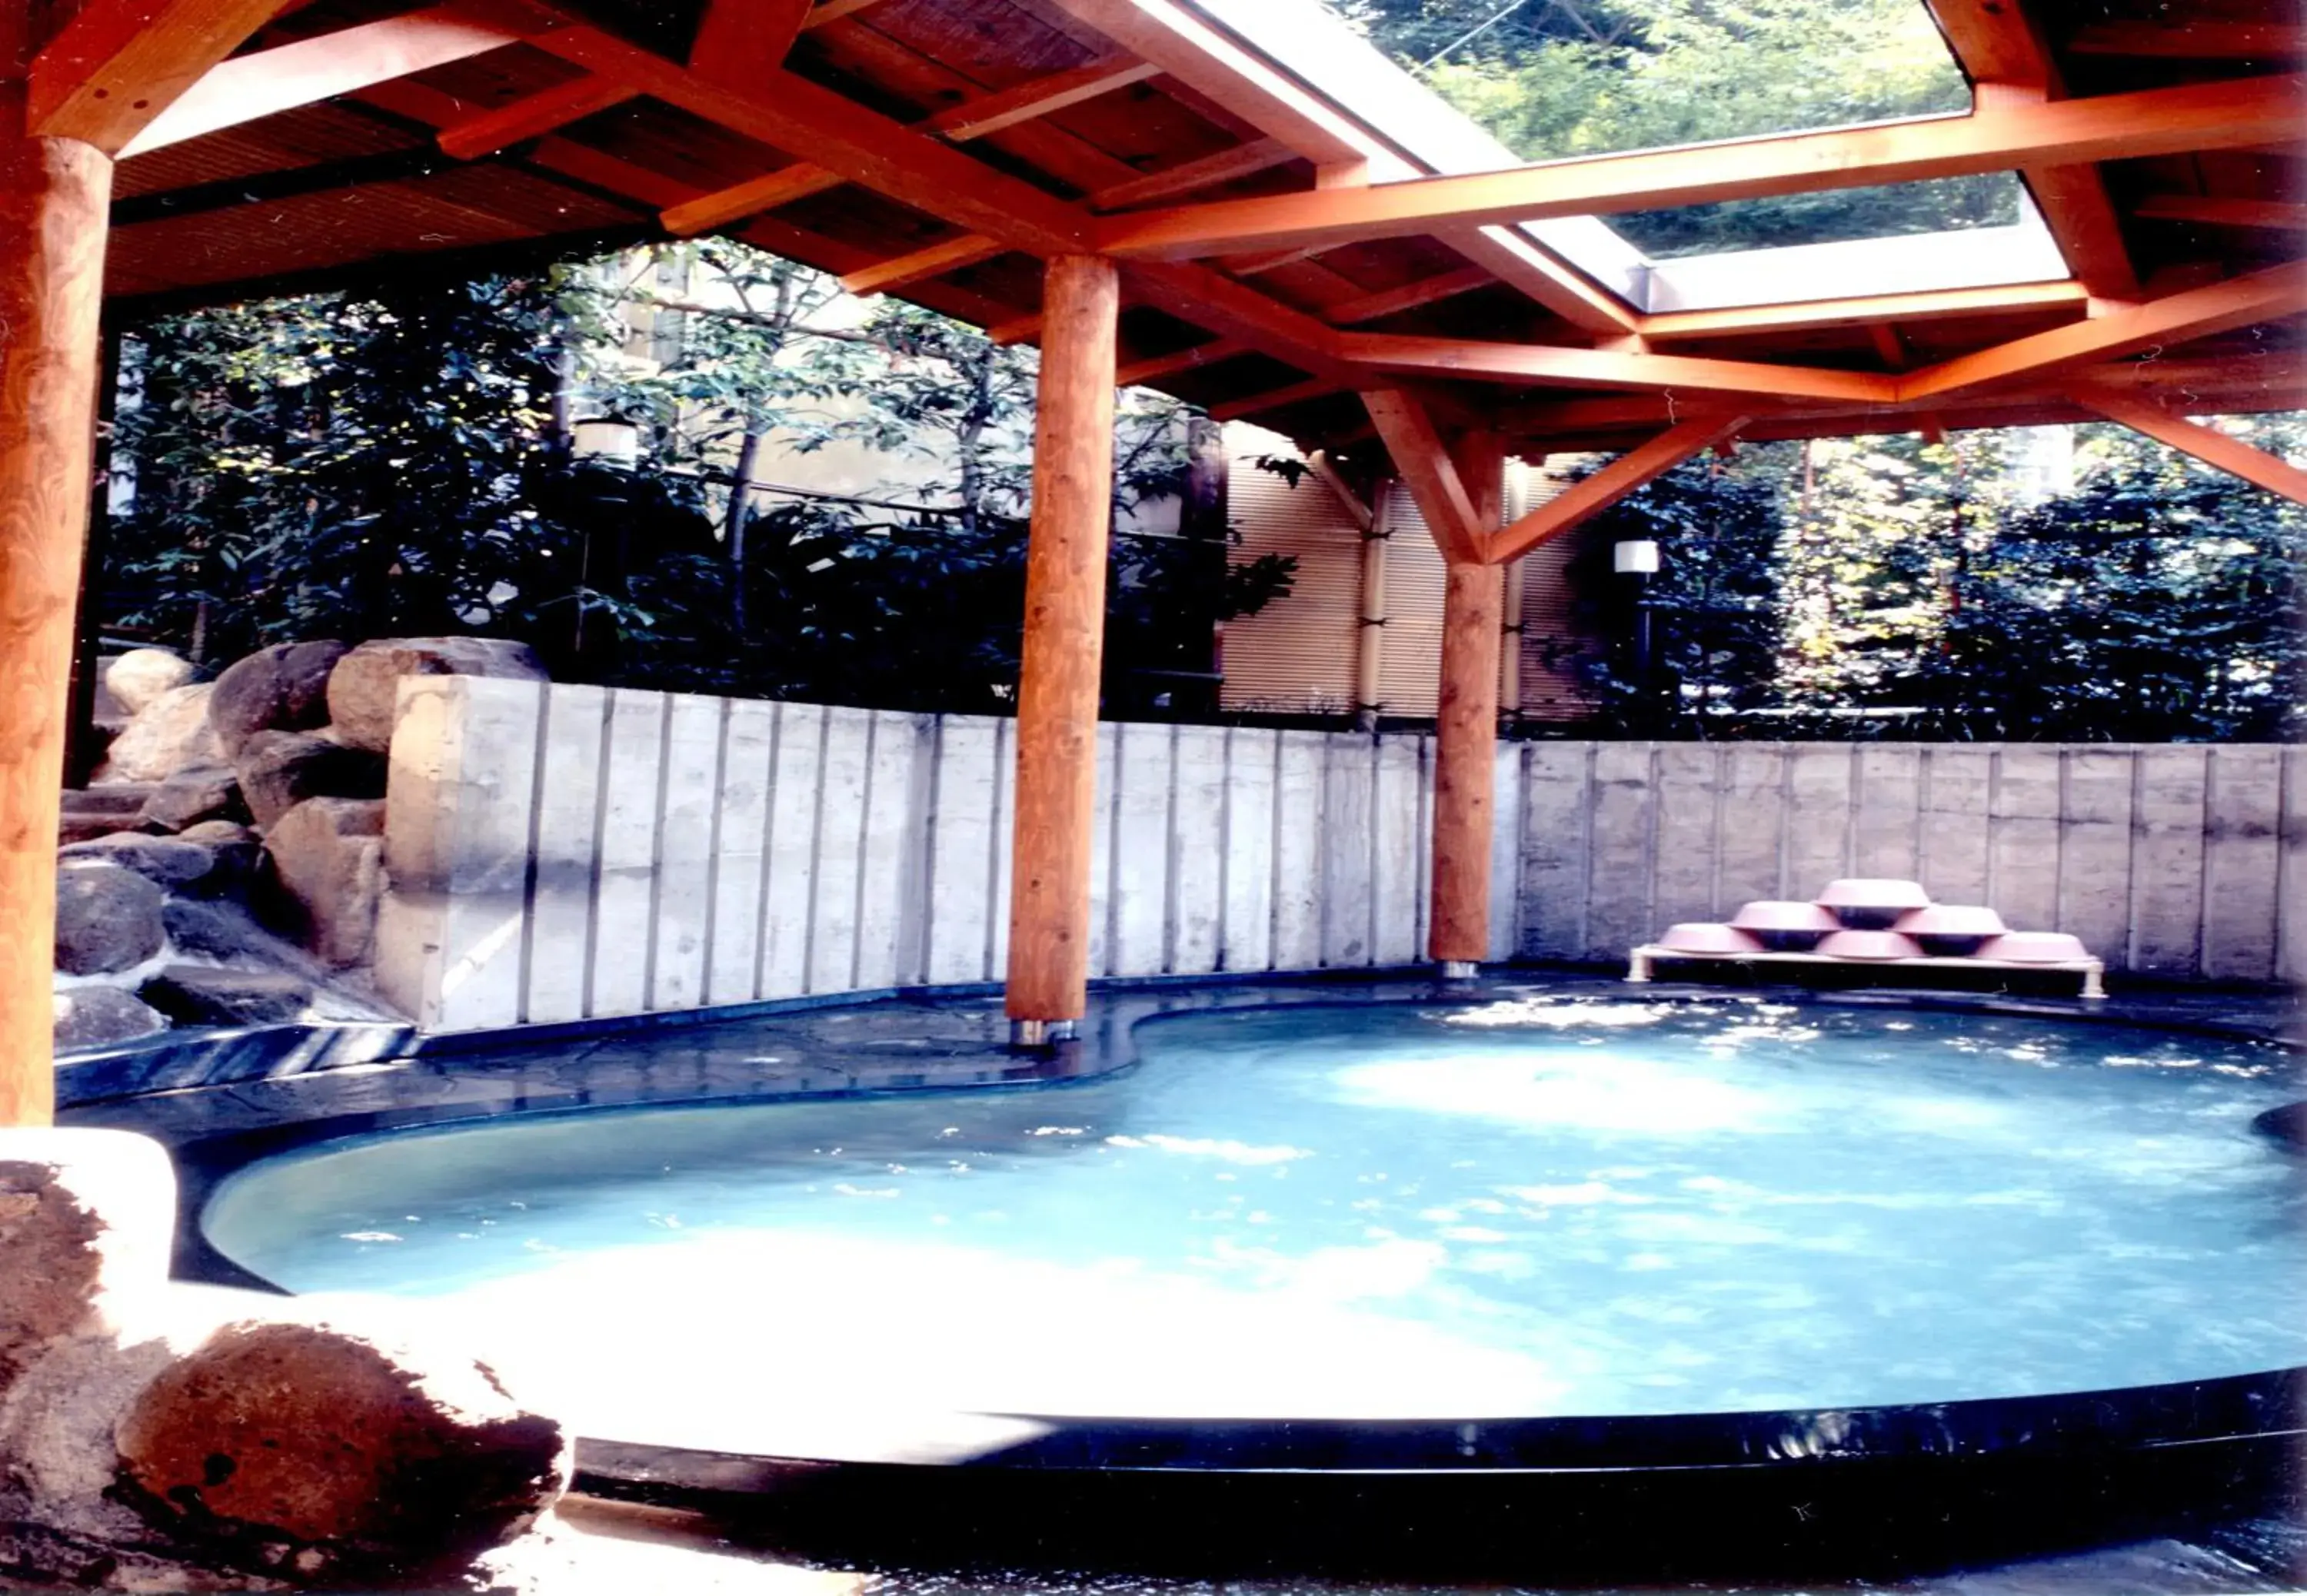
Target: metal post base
x,y
1460,970
1042,1033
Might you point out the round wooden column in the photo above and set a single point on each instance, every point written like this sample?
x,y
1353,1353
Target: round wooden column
x,y
1467,726
54,199
1065,642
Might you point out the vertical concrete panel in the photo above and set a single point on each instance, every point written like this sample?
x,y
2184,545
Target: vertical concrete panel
x,y
2095,851
1618,911
1005,841
1197,850
624,920
741,851
1689,794
1141,849
2022,837
462,785
840,849
1957,785
1890,811
1394,885
1555,818
1819,816
891,857
962,851
2291,874
1348,842
1509,823
2242,857
2167,823
568,813
1301,833
1248,943
684,873
1102,841
789,903
1751,848
1505,856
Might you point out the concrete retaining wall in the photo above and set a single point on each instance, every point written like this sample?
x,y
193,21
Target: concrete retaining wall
x,y
560,853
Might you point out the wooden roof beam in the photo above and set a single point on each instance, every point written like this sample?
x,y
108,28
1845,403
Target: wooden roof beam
x,y
751,198
1529,364
250,88
1928,306
1041,96
1630,472
2196,117
2273,215
119,64
738,40
1410,296
531,116
1280,399
1422,459
1157,367
1521,263
2198,312
832,11
2207,444
887,276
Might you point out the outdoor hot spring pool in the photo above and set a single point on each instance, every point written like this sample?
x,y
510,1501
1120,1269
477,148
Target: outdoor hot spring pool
x,y
1528,1208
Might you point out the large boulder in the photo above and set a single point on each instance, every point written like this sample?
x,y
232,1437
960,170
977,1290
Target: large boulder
x,y
203,995
87,1218
108,919
336,1451
327,856
280,770
103,1017
139,676
365,685
196,793
281,688
91,812
168,735
164,861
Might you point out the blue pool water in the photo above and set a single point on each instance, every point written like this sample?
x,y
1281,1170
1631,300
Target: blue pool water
x,y
1538,1207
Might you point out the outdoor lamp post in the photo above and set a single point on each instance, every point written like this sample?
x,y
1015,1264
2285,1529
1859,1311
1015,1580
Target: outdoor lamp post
x,y
1638,558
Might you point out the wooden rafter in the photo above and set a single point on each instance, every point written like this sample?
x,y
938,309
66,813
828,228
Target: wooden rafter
x,y
531,116
119,63
1928,306
832,11
2000,46
972,249
1588,497
751,198
249,87
2198,312
1410,296
1522,264
1279,398
738,40
1157,367
1041,96
2273,215
1422,459
1524,364
2207,444
2199,116
1187,177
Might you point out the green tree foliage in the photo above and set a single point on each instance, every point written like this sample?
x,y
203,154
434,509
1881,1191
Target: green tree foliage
x,y
1559,78
395,463
1887,586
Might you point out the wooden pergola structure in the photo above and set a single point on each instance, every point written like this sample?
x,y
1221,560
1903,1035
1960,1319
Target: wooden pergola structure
x,y
1157,192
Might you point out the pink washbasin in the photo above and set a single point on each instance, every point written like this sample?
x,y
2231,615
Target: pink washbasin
x,y
1950,922
1703,938
2035,947
1873,902
1870,944
1784,918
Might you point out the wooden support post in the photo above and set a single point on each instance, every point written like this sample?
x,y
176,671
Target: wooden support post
x,y
1065,637
1467,728
54,199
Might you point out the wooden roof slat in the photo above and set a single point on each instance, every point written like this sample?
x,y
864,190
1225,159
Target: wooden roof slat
x,y
783,186
532,116
2273,215
2196,117
1041,96
973,249
117,64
